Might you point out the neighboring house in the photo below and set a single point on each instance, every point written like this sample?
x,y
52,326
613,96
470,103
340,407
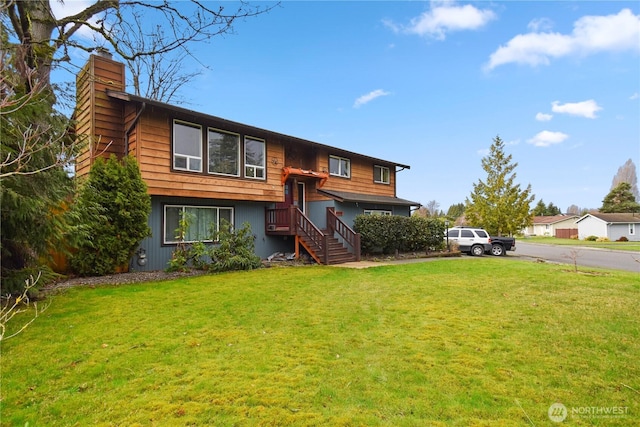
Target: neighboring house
x,y
610,225
293,192
553,225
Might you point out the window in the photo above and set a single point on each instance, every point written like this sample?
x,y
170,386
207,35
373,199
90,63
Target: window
x,y
632,229
203,221
339,166
381,174
466,233
187,146
254,158
376,212
453,234
224,153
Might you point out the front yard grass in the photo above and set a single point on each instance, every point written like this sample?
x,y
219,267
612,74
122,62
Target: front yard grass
x,y
474,341
622,246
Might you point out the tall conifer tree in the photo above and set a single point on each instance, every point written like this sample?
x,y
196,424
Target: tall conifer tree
x,y
498,204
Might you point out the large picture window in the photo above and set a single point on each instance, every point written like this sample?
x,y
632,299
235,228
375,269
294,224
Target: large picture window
x,y
203,221
187,146
381,175
254,158
224,153
339,166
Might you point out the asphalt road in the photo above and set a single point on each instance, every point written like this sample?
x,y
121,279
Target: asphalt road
x,y
585,257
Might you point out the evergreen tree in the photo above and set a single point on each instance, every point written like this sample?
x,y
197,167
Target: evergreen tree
x,y
498,204
627,173
620,199
33,183
115,205
455,211
540,209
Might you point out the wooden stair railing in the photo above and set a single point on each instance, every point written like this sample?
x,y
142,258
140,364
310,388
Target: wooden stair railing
x,y
350,237
310,236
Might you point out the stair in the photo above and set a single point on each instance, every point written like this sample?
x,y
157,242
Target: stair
x,y
338,254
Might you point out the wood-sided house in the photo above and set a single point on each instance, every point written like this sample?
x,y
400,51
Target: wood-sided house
x,y
293,192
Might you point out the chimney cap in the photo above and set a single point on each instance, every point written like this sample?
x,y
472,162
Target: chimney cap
x,y
103,52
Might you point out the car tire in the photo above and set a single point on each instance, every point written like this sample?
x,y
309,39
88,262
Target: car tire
x,y
477,250
497,250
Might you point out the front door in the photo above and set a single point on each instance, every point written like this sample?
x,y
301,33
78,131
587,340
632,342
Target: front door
x,y
302,198
288,195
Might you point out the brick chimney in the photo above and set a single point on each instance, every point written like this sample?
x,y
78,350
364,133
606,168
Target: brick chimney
x,y
99,118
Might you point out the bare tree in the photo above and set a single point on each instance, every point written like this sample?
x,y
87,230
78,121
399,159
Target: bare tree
x,y
627,173
432,207
45,40
10,307
573,210
157,76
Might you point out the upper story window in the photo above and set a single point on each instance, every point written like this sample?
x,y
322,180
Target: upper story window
x,y
381,174
254,158
224,152
339,166
187,146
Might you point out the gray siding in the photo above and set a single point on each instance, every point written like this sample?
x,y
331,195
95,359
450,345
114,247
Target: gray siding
x,y
158,254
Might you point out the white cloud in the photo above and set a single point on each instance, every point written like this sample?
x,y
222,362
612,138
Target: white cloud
x,y
543,117
547,138
634,96
540,24
591,34
365,99
444,17
586,109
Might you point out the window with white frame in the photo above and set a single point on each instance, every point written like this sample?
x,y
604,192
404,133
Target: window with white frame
x,y
187,146
254,158
202,222
381,174
224,152
632,229
339,166
376,212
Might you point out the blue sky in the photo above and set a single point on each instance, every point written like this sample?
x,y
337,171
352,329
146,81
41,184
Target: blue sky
x,y
430,84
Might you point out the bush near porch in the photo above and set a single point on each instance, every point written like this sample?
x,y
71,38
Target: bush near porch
x,y
388,234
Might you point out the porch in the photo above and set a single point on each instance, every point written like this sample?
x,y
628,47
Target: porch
x,y
337,244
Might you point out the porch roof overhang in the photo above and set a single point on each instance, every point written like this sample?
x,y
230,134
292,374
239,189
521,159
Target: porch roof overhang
x,y
343,196
289,171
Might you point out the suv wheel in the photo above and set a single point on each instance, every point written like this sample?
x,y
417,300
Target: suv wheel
x,y
497,250
477,250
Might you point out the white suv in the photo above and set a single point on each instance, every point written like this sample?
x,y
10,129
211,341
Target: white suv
x,y
475,241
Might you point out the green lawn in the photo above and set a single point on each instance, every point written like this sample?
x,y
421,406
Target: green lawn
x,y
623,246
473,341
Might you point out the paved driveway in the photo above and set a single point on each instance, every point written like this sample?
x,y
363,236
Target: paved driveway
x,y
585,257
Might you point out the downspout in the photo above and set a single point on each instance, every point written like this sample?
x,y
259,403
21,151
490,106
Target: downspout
x,y
133,123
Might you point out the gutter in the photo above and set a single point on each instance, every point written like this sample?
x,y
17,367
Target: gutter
x,y
133,123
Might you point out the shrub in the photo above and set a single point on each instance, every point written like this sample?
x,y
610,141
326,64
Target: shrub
x,y
591,238
622,239
574,237
602,239
114,205
234,250
388,234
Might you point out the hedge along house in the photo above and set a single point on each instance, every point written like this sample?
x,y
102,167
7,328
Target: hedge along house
x,y
296,194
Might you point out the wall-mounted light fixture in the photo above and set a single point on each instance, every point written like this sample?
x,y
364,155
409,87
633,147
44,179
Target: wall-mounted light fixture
x,y
142,257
